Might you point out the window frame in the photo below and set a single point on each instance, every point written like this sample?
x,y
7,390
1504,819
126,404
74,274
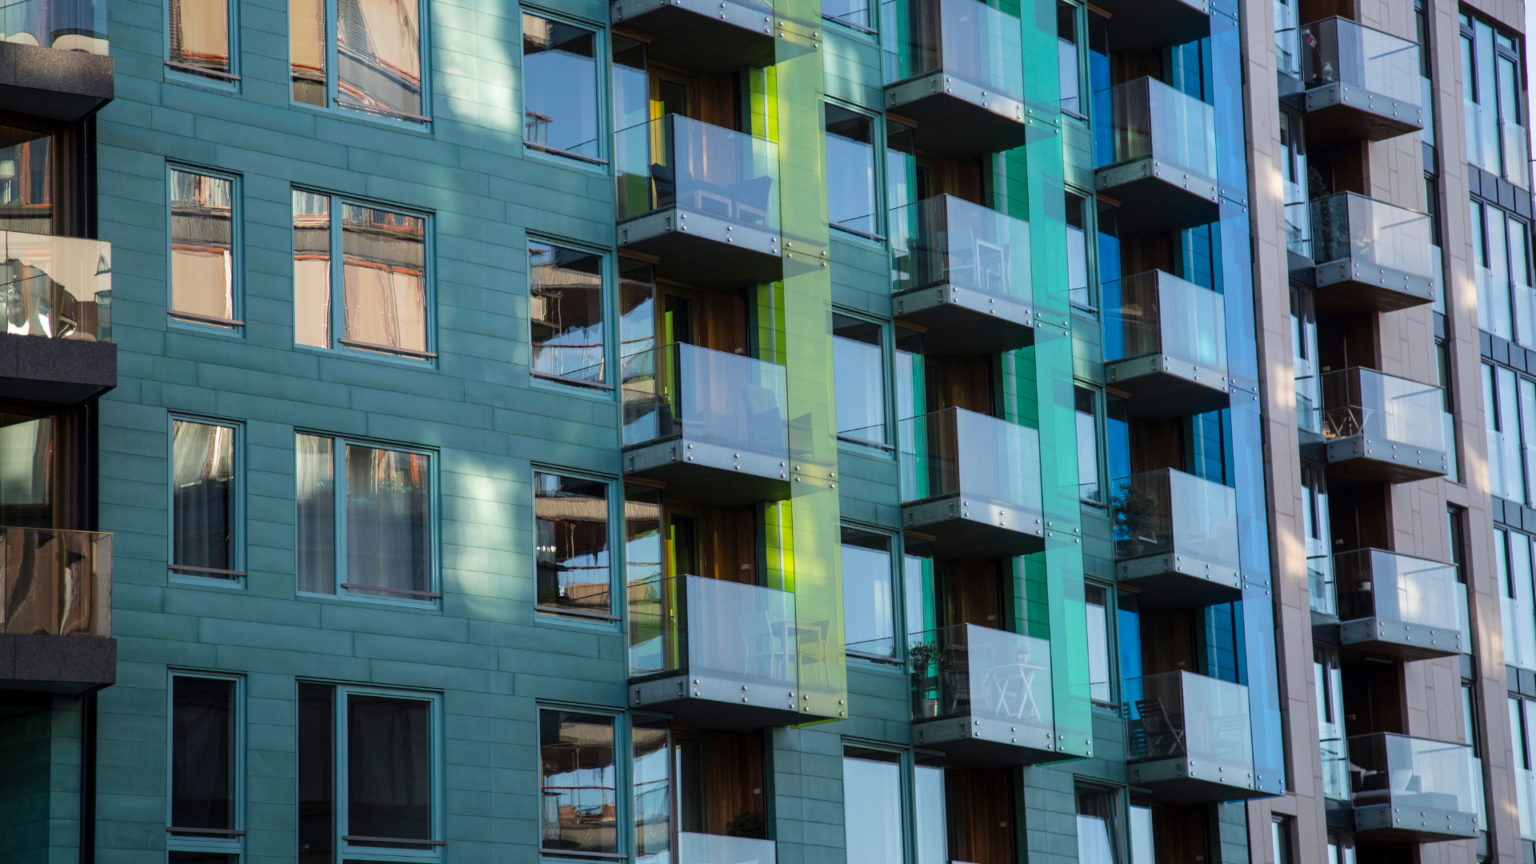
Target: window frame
x,y
607,390
623,774
221,843
602,58
877,148
178,73
202,324
896,557
236,576
337,282
1096,393
332,74
434,596
903,759
617,545
1111,644
890,445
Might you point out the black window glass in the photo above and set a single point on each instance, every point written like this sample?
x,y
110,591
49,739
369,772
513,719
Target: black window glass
x,y
317,773
202,752
389,769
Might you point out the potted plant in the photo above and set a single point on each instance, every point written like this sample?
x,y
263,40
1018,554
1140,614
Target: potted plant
x,y
1135,514
925,658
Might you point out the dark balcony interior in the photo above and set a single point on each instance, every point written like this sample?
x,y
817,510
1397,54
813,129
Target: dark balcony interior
x,y
713,37
1141,26
52,83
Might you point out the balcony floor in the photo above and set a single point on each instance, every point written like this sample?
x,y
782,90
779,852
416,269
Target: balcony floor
x,y
1171,581
1178,781
705,36
703,250
1162,388
1399,824
52,83
1403,641
67,665
986,743
1339,112
1344,286
1157,197
975,530
716,701
710,474
57,371
1144,25
956,118
1358,459
963,322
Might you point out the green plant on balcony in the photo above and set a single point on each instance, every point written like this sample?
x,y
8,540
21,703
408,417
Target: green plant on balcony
x,y
926,659
1135,515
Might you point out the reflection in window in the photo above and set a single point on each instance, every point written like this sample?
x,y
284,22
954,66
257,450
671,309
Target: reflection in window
x,y
852,12
202,753
637,307
869,618
26,181
1087,446
559,87
307,50
651,778
1066,57
316,472
1139,829
565,308
851,170
27,464
571,530
928,808
578,781
872,807
1098,643
858,365
199,37
631,83
376,57
1078,292
311,268
203,499
202,247
642,534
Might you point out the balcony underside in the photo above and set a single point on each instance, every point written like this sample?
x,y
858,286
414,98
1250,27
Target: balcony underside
x,y
1348,286
1173,581
965,322
1139,26
1400,640
702,249
710,474
56,371
1339,112
1358,459
1393,822
1177,780
1157,197
52,83
982,742
956,118
67,665
711,700
975,529
1162,387
706,36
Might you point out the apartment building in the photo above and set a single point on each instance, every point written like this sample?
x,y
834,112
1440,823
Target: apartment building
x,y
734,432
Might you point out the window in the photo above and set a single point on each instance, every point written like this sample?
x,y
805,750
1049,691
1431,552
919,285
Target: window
x,y
26,181
851,203
1066,57
1328,678
205,744
369,781
1341,849
565,309
1098,644
869,616
203,234
560,88
578,783
854,13
575,571
1318,538
1506,468
365,522
1097,827
1445,381
199,39
928,807
1139,828
872,807
1280,839
205,504
382,280
360,55
1087,446
1079,292
1491,97
858,365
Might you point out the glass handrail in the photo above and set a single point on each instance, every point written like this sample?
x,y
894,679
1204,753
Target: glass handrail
x,y
64,25
946,240
982,673
1157,313
1341,51
1181,714
55,582
960,452
698,624
1166,511
1350,227
1150,118
679,162
1359,401
967,39
1417,773
1374,583
710,396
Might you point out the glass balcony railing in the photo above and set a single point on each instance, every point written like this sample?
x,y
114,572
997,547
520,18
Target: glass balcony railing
x,y
58,287
1395,774
743,633
1152,119
695,848
699,169
1363,402
1168,511
678,390
65,25
1381,66
985,675
1191,717
967,40
1335,758
1478,797
55,582
960,452
1372,243
949,241
1321,597
1399,601
1483,140
1180,328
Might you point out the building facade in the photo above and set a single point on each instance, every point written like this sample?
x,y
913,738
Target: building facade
x,y
736,432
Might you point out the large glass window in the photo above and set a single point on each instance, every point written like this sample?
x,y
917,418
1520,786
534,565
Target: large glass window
x,y
560,88
565,309
851,171
205,747
200,38
869,614
376,504
575,570
368,775
872,807
361,55
204,505
203,267
578,784
28,470
26,181
1097,607
382,277
858,365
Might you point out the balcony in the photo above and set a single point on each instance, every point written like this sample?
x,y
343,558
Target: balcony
x,y
1165,344
1188,739
57,296
1370,256
719,655
1139,26
695,848
1399,606
1362,84
956,74
1382,429
53,58
962,271
1162,165
712,37
702,200
1176,539
973,482
56,618
713,426
1411,790
982,696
